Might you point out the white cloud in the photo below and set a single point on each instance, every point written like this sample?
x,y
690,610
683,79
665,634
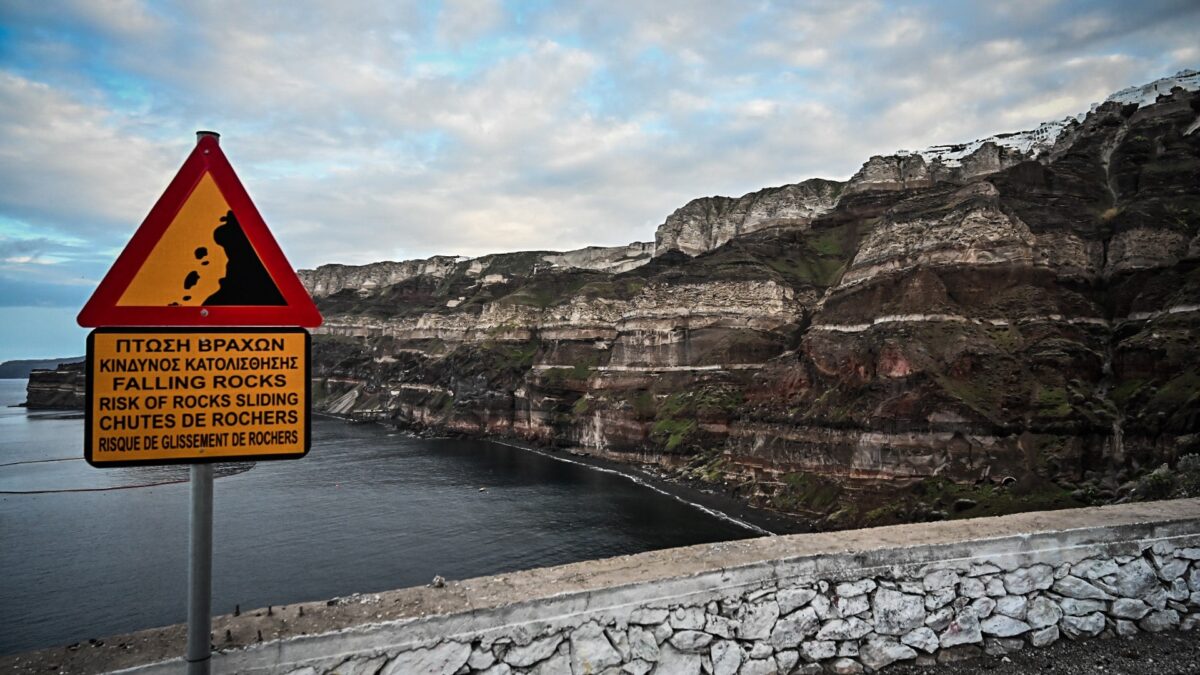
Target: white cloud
x,y
759,108
395,130
392,129
1186,55
70,167
124,18
1087,26
465,20
904,30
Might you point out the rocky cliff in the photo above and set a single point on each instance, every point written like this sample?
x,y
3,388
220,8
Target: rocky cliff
x,y
706,223
998,329
63,387
368,279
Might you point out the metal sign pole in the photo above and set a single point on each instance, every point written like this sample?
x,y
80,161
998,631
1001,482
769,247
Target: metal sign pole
x,y
265,312
199,647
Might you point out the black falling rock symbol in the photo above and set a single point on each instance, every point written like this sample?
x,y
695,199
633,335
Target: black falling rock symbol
x,y
193,277
246,281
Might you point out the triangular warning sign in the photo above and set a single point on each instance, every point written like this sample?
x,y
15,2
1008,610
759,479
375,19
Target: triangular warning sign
x,y
202,257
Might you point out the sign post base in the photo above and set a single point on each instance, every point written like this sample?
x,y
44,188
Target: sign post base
x,y
199,645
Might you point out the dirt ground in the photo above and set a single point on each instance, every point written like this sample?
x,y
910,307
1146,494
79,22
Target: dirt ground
x,y
1173,653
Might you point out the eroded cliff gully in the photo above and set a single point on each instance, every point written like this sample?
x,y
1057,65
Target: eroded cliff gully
x,y
925,341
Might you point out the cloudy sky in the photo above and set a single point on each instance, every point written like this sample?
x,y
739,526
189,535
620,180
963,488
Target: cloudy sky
x,y
391,130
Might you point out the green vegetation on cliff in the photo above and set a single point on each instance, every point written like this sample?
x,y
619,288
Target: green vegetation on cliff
x,y
935,346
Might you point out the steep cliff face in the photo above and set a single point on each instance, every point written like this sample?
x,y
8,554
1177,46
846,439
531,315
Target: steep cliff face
x,y
370,279
706,223
63,387
1022,327
366,279
908,171
615,259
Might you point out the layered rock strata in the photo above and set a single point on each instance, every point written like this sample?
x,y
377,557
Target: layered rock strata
x,y
366,279
63,387
932,345
369,279
706,223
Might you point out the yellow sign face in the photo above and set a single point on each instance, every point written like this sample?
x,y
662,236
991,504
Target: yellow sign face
x,y
187,264
161,396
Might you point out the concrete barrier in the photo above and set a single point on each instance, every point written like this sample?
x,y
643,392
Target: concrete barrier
x,y
829,602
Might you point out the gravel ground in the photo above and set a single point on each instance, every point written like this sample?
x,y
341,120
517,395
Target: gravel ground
x,y
1174,653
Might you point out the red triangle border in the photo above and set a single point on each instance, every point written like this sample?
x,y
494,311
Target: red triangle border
x,y
102,309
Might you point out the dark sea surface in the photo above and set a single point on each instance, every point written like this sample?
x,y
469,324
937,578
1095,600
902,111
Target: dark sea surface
x,y
368,510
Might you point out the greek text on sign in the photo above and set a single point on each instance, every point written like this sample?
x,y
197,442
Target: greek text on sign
x,y
158,396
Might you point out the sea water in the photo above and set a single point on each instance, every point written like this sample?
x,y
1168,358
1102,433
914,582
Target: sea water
x,y
86,553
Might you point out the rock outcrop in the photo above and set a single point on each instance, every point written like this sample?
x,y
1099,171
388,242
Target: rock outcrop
x,y
366,279
908,171
904,171
706,223
370,279
615,259
1010,329
63,387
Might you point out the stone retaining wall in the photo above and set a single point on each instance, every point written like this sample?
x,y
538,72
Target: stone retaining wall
x,y
834,602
